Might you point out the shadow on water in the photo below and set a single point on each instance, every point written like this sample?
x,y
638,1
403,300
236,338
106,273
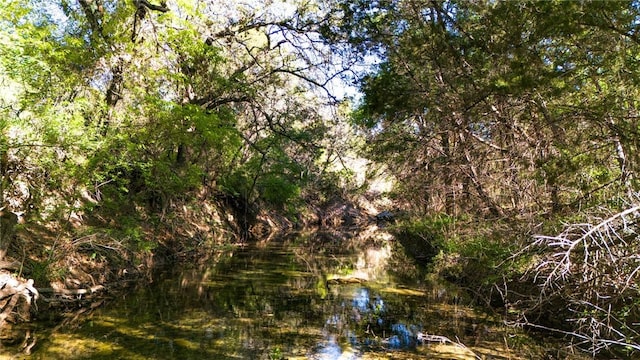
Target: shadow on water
x,y
308,296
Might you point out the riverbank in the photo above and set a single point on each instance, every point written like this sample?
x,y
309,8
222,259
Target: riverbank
x,y
81,261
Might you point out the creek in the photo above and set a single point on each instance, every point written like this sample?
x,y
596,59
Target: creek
x,y
301,296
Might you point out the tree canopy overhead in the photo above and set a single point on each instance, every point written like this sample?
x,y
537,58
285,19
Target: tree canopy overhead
x,y
155,98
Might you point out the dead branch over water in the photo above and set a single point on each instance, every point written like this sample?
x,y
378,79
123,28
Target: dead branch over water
x,y
589,269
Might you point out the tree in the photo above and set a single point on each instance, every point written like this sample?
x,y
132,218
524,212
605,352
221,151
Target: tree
x,y
145,101
496,105
520,111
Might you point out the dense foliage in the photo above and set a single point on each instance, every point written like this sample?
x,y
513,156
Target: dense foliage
x,y
501,108
116,102
518,111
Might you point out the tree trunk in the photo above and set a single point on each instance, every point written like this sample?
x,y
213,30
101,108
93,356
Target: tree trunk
x,y
8,221
114,93
450,196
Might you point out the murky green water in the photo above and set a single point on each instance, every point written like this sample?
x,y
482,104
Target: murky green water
x,y
317,296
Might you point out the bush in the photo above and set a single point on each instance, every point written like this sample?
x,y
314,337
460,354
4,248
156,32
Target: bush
x,y
422,239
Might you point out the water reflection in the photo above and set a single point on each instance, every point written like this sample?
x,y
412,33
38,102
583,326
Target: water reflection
x,y
314,296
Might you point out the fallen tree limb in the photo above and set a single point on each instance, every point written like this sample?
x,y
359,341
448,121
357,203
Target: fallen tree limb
x,y
588,278
17,296
90,290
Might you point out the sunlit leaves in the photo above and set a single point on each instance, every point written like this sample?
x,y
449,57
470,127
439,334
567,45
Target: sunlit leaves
x,y
222,94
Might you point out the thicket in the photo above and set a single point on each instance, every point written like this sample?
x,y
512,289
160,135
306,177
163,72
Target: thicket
x,y
121,107
518,121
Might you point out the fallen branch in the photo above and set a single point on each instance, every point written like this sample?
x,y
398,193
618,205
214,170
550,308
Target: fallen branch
x,y
16,298
597,235
90,290
429,338
605,342
588,273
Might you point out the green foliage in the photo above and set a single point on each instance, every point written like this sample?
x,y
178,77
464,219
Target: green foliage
x,y
434,228
499,108
479,260
236,184
276,354
278,191
423,238
44,272
274,181
138,119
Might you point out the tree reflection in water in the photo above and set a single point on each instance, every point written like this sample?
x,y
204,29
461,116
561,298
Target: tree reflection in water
x,y
318,296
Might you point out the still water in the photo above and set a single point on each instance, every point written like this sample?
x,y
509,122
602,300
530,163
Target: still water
x,y
304,296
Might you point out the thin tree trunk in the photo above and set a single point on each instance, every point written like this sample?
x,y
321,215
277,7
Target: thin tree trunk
x,y
472,175
620,155
114,93
450,199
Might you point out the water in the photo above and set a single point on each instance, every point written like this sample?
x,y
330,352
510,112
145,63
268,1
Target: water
x,y
313,296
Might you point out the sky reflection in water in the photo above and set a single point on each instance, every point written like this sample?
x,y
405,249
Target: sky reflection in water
x,y
314,297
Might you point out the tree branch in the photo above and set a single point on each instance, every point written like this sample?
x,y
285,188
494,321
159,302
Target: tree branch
x,y
161,8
